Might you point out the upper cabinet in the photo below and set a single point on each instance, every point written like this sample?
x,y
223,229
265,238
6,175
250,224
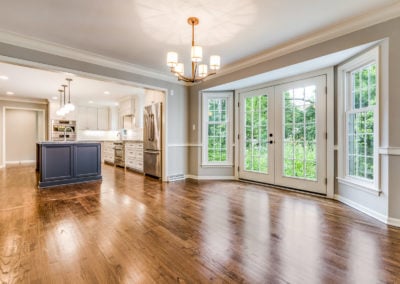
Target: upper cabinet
x,y
131,108
127,106
127,112
93,118
103,120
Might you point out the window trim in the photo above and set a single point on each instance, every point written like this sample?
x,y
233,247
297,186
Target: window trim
x,y
229,133
344,105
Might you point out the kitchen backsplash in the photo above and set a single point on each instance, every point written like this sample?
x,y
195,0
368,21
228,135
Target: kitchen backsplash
x,y
136,134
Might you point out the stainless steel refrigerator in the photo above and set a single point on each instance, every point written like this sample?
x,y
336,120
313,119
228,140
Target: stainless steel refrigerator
x,y
152,140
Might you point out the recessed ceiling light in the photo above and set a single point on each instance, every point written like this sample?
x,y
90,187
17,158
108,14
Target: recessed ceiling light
x,y
54,98
106,92
90,102
3,77
9,93
117,104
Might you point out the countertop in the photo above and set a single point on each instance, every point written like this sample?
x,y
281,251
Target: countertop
x,y
65,142
89,141
125,140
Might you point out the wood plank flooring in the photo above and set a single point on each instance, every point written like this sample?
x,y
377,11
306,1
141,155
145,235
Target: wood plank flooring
x,y
133,229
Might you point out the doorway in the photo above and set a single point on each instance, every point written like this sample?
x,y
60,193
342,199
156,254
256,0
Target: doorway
x,y
282,132
22,129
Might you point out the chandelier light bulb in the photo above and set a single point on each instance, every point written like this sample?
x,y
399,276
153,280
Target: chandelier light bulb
x,y
197,53
172,59
203,70
215,62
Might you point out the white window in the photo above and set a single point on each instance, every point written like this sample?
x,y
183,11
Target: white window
x,y
359,121
217,129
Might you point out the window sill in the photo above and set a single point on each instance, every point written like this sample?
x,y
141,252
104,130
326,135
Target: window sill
x,y
217,165
354,184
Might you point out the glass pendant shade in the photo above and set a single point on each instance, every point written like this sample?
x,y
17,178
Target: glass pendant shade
x,y
59,112
172,59
180,69
69,107
215,62
203,70
197,53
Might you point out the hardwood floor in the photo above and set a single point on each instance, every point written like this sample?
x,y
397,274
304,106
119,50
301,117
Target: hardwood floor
x,y
132,229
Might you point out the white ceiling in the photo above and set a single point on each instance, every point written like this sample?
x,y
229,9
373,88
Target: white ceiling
x,y
36,83
140,32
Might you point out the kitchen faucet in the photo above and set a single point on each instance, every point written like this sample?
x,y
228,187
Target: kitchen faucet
x,y
65,132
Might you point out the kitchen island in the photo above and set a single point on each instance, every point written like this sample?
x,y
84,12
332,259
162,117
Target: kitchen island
x,y
60,163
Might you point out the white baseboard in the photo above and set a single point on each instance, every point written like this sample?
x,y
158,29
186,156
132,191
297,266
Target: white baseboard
x,y
211,177
393,222
20,162
372,213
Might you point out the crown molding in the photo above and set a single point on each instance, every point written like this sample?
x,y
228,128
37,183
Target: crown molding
x,y
357,23
80,55
24,100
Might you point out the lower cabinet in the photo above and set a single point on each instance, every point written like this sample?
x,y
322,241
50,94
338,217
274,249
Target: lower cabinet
x,y
134,156
61,163
108,152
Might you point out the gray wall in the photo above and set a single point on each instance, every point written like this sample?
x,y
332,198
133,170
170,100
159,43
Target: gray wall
x,y
388,203
178,102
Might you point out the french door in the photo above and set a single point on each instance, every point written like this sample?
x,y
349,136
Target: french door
x,y
283,135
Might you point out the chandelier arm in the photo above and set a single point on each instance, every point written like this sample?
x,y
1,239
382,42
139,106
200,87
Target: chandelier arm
x,y
209,74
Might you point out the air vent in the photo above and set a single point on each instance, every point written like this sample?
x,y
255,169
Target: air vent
x,y
176,177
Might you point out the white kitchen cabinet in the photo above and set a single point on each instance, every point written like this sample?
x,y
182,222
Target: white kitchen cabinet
x,y
127,106
102,118
134,155
92,118
108,152
126,113
113,118
91,113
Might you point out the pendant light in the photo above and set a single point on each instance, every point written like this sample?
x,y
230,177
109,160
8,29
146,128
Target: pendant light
x,y
69,106
61,111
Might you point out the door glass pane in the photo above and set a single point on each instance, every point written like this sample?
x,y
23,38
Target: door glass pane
x,y
299,137
256,126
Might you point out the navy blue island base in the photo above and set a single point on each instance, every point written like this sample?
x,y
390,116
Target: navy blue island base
x,y
60,163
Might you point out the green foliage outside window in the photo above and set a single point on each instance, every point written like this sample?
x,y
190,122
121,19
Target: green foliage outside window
x,y
217,130
360,123
299,143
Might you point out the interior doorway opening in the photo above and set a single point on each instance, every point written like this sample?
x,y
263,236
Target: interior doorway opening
x,y
23,128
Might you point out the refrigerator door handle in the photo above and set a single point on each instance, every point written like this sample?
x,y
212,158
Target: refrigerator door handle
x,y
152,127
151,151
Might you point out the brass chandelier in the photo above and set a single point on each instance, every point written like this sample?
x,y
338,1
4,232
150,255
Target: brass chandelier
x,y
199,71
